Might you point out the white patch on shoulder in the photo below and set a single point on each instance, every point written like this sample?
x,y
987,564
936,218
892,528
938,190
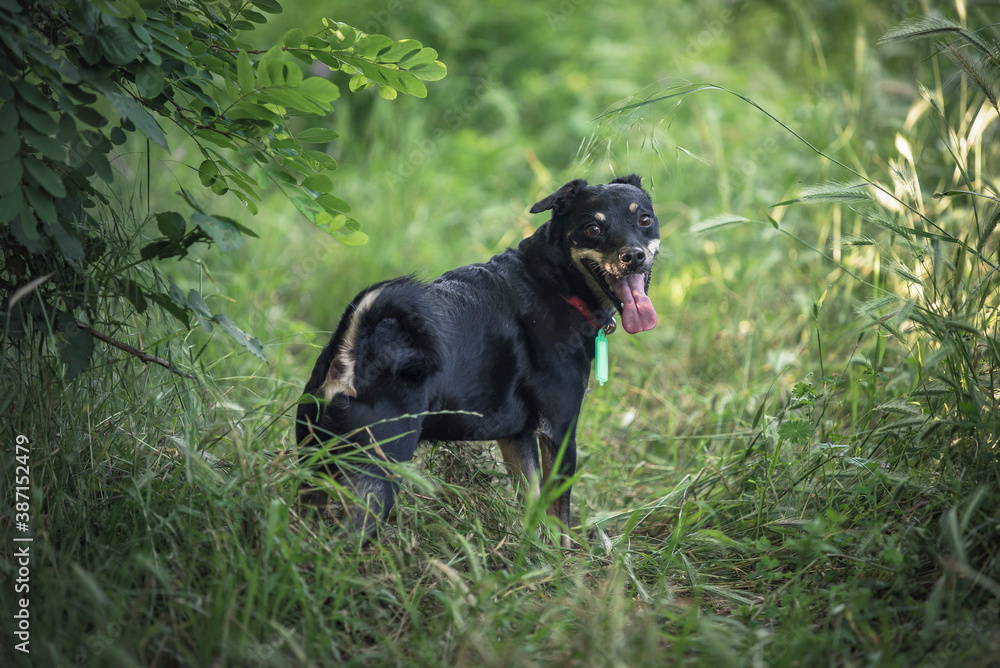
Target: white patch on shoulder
x,y
633,206
600,217
340,375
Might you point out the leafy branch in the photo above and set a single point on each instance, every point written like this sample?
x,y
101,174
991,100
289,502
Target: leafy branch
x,y
81,77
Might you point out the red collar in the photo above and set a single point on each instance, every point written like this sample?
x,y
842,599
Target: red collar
x,y
585,311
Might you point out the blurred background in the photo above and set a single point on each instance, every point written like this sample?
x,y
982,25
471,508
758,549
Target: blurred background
x,y
447,180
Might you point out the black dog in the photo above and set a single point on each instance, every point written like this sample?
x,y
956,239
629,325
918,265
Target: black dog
x,y
495,351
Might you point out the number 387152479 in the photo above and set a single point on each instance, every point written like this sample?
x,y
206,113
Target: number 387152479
x,y
22,478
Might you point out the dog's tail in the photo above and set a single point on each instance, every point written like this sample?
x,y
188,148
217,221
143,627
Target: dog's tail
x,y
387,336
396,337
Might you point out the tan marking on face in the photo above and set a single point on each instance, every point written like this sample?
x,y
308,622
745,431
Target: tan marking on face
x,y
600,217
633,206
340,375
578,255
581,254
653,247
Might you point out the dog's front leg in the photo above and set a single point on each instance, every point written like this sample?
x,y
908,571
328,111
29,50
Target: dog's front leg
x,y
521,455
567,467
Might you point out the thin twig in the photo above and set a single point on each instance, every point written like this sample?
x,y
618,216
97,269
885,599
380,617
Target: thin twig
x,y
131,350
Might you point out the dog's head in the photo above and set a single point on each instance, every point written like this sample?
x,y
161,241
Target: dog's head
x,y
612,237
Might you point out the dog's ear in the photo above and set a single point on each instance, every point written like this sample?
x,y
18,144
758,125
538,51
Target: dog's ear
x,y
557,200
631,179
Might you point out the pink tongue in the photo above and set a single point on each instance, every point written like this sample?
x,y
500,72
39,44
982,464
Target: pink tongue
x,y
638,314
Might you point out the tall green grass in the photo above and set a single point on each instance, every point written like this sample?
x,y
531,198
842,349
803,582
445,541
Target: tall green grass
x,y
798,467
882,468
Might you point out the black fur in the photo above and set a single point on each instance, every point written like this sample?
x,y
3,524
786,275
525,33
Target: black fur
x,y
498,341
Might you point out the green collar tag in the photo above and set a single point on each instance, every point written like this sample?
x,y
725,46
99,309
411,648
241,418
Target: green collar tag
x,y
601,366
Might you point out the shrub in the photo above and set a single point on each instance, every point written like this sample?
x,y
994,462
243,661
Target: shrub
x,y
82,78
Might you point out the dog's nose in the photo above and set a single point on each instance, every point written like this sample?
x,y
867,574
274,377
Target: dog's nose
x,y
632,257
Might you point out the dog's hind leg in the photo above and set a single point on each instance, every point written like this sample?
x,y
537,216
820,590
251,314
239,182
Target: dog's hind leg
x,y
521,455
567,467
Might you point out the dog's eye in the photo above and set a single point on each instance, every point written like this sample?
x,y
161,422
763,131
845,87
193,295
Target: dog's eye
x,y
645,220
592,230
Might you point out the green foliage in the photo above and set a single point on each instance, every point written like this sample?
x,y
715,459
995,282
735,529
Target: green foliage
x,y
81,78
912,422
792,469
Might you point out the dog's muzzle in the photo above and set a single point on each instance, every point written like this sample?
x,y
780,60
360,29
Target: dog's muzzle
x,y
627,288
